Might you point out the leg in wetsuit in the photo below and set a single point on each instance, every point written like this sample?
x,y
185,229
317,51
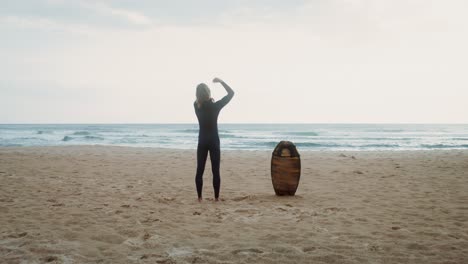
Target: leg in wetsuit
x,y
213,147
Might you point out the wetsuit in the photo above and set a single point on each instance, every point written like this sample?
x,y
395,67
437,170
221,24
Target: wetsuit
x,y
208,140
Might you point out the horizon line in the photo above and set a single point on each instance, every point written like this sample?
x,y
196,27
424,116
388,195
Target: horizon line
x,y
249,123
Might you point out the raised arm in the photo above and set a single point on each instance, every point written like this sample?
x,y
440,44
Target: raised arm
x,y
225,100
228,89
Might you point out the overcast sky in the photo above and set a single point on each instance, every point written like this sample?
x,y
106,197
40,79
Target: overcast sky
x,y
318,61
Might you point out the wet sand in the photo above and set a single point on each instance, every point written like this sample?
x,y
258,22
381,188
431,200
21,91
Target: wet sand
x,y
94,204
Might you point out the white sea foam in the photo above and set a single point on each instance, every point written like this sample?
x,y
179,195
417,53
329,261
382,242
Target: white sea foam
x,y
245,136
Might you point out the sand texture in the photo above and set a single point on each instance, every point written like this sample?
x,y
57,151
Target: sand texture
x,y
92,204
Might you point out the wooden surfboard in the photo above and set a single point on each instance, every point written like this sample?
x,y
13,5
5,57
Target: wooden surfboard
x,y
285,168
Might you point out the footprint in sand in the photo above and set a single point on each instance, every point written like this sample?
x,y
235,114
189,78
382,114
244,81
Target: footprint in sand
x,y
415,246
374,248
179,252
147,256
334,209
213,200
246,211
50,259
166,200
109,238
150,220
134,242
146,236
240,198
220,215
23,234
247,251
308,249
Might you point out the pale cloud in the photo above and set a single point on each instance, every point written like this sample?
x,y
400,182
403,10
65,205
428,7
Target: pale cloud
x,y
334,61
78,25
44,24
131,16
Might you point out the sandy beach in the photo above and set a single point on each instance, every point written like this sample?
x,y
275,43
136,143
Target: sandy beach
x,y
95,204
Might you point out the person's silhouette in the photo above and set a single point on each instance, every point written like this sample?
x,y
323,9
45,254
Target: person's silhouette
x,y
207,112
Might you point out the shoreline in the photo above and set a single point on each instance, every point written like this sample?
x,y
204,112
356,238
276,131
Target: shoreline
x,y
112,204
251,137
233,150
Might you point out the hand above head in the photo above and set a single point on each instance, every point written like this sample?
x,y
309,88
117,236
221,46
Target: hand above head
x,y
228,89
217,80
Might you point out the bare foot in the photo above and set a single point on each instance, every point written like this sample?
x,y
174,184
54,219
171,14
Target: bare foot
x,y
216,199
200,200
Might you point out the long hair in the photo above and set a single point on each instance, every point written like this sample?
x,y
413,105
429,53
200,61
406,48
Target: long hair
x,y
203,94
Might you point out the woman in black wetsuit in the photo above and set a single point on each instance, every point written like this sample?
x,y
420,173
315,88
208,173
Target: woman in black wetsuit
x,y
207,112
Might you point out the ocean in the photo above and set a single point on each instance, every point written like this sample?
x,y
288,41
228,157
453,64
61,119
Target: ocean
x,y
307,137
